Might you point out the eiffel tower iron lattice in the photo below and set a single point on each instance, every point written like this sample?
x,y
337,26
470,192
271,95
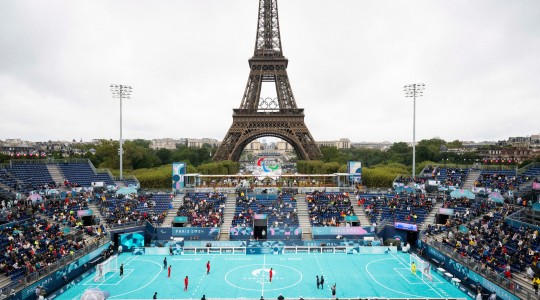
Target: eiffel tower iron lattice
x,y
258,117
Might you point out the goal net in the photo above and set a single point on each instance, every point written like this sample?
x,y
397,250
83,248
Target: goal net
x,y
423,268
109,265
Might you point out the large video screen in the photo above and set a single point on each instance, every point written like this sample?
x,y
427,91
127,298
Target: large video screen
x,y
130,240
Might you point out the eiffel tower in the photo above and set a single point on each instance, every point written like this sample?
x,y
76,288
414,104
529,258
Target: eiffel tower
x,y
258,117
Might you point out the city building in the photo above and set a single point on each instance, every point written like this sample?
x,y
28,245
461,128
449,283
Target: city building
x,y
166,143
343,143
371,145
510,155
198,143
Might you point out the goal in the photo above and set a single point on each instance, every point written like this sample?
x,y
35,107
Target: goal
x,y
109,265
422,266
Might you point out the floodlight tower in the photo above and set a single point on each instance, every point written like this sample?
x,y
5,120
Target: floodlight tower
x,y
412,91
121,92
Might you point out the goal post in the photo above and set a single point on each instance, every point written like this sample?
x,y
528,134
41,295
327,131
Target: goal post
x,y
423,268
109,265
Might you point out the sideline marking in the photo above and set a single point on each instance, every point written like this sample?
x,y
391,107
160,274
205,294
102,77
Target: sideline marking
x,y
264,267
322,272
258,266
147,284
380,284
429,286
204,275
92,282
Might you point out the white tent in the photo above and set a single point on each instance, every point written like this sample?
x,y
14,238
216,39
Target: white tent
x,y
95,294
126,191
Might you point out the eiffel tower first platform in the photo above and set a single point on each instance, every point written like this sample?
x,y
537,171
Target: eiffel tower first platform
x,y
258,117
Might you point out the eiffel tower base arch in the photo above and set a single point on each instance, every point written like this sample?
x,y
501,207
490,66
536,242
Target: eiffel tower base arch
x,y
246,128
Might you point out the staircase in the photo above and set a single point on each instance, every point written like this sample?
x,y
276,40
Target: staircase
x,y
360,213
8,190
228,215
56,174
303,217
430,219
5,281
525,187
97,213
171,214
471,178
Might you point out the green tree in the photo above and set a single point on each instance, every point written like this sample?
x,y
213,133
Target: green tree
x,y
454,144
138,155
401,153
4,158
164,155
107,154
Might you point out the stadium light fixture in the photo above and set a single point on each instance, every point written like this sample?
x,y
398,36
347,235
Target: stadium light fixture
x,y
121,92
413,91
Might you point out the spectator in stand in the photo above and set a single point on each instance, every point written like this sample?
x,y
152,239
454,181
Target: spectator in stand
x,y
203,210
328,209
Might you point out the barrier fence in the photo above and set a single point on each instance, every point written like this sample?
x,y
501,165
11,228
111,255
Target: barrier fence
x,y
377,298
49,269
276,249
507,289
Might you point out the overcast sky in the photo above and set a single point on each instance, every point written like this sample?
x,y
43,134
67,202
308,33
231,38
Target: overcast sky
x,y
348,62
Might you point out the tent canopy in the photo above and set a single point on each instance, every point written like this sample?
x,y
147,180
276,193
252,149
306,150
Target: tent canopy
x,y
463,194
126,191
405,189
496,197
95,294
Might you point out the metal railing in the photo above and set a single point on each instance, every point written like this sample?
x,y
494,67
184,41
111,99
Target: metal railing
x,y
116,226
531,165
378,298
49,161
126,177
47,270
99,171
473,166
510,285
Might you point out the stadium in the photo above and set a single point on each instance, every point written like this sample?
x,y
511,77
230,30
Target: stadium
x,y
299,219
67,240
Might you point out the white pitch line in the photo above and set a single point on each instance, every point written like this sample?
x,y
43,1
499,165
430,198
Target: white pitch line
x,y
320,268
429,286
202,277
149,282
382,285
264,267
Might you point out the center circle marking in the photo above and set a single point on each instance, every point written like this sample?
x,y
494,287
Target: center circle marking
x,y
259,267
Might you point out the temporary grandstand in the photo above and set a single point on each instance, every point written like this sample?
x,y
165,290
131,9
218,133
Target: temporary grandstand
x,y
307,222
25,176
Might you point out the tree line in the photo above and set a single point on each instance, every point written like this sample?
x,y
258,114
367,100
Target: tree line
x,y
380,166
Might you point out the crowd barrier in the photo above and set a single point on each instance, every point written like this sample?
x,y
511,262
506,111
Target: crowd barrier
x,y
274,233
57,278
197,233
320,232
467,273
275,248
271,189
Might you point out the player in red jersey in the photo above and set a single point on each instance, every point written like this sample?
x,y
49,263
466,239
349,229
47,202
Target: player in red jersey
x,y
208,268
271,274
